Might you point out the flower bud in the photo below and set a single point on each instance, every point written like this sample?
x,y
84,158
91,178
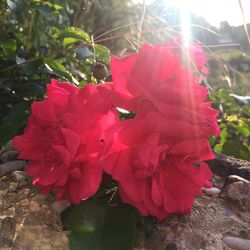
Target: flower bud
x,y
100,71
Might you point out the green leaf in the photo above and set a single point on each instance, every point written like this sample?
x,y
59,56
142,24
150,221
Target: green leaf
x,y
102,53
218,148
30,69
47,9
212,140
32,88
94,225
224,95
223,135
8,49
76,33
243,127
118,231
56,68
68,41
235,149
13,121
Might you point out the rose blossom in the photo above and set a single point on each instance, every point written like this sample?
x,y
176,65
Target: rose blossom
x,y
157,157
62,140
194,54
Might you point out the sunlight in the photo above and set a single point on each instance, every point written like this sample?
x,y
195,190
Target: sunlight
x,y
185,16
213,11
185,22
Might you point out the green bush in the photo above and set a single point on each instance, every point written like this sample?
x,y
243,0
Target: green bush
x,y
36,44
234,121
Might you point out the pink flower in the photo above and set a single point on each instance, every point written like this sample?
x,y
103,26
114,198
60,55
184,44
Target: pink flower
x,y
157,157
63,140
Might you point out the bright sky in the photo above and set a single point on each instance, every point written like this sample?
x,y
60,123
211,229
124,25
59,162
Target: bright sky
x,y
214,11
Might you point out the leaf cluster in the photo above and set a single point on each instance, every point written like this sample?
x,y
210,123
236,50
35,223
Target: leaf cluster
x,y
39,42
234,121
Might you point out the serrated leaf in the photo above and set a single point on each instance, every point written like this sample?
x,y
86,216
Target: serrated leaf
x,y
76,33
68,41
94,225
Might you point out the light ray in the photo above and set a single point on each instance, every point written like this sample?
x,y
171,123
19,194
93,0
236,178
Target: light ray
x,y
185,16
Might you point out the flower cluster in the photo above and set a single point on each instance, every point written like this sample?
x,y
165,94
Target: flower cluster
x,y
157,157
63,140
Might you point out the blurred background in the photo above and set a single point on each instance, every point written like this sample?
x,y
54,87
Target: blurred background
x,y
72,40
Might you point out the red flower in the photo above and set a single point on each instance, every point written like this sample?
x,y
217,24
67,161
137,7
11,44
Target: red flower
x,y
157,157
194,54
62,140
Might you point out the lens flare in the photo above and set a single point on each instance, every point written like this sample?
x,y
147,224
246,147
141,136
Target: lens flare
x,y
185,16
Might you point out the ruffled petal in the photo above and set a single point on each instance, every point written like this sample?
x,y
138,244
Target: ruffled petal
x,y
30,144
87,185
72,142
44,111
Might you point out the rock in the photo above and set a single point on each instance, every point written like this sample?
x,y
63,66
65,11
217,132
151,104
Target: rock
x,y
224,166
8,146
234,178
18,176
3,190
210,221
27,219
238,193
13,186
24,193
7,232
213,191
237,243
37,237
184,218
171,246
3,185
9,156
8,167
154,241
192,241
34,206
59,206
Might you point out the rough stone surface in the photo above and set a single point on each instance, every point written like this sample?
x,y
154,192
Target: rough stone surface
x,y
237,243
213,191
30,221
27,219
212,220
239,193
